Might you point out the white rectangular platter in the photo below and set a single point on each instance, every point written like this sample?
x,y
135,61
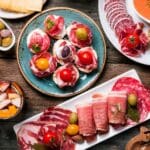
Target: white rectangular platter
x,y
85,98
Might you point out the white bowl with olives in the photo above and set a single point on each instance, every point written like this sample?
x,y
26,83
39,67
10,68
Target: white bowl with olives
x,y
7,37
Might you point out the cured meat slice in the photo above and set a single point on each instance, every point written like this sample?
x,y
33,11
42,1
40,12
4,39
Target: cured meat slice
x,y
117,107
122,25
79,34
86,59
38,41
66,75
28,134
43,64
133,86
55,26
114,13
86,120
64,51
32,133
117,18
110,4
100,113
4,85
114,7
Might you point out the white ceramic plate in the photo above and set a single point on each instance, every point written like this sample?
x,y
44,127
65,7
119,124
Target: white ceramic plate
x,y
144,58
85,97
12,15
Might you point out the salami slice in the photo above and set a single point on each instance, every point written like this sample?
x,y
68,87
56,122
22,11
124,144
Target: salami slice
x,y
131,85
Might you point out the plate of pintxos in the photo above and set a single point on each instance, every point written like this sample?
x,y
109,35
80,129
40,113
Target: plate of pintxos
x,y
61,52
126,28
89,118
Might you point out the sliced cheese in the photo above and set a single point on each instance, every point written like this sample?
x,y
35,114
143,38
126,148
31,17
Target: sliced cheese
x,y
34,5
23,6
13,96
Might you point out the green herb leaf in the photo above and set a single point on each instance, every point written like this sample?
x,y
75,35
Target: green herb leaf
x,y
50,24
36,48
38,146
133,113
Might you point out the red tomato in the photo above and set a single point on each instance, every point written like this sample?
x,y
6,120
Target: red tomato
x,y
66,75
132,40
49,137
85,58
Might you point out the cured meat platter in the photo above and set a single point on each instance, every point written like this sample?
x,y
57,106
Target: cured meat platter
x,y
45,77
85,97
127,15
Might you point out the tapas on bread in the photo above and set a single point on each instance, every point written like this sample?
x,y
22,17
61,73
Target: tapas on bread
x,y
43,34
104,111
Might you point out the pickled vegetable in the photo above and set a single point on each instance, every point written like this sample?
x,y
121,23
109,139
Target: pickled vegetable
x,y
65,52
73,118
6,41
78,138
5,33
2,25
132,99
81,34
72,129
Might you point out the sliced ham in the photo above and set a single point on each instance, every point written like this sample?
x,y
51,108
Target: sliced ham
x,y
3,96
64,51
75,74
117,107
43,73
4,103
100,113
86,120
84,67
71,32
38,41
55,26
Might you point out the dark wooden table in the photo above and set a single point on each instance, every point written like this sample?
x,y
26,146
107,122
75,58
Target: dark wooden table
x,y
35,102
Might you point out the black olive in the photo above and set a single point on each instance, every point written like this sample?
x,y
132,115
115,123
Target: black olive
x,y
65,52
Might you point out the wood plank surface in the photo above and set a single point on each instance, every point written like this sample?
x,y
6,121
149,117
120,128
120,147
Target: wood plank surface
x,y
35,102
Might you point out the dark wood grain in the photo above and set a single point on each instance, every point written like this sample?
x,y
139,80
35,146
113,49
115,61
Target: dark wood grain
x,y
35,102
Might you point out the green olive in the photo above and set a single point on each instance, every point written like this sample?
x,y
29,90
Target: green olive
x,y
2,25
132,99
81,34
73,118
6,41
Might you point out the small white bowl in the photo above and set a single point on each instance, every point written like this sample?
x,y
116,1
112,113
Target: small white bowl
x,y
13,37
141,16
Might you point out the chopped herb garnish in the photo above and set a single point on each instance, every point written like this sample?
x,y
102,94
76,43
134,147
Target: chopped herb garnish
x,y
36,48
50,24
133,113
38,146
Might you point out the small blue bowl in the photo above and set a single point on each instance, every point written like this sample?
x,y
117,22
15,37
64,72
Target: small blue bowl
x,y
46,85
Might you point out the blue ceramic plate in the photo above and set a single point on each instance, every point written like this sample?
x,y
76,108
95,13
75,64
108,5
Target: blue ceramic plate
x,y
46,85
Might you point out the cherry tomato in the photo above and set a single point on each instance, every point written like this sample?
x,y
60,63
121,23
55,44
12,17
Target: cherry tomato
x,y
85,58
42,63
132,40
49,137
66,75
72,129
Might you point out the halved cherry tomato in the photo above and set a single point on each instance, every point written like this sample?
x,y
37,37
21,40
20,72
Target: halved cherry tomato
x,y
85,58
49,137
132,40
42,64
66,75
